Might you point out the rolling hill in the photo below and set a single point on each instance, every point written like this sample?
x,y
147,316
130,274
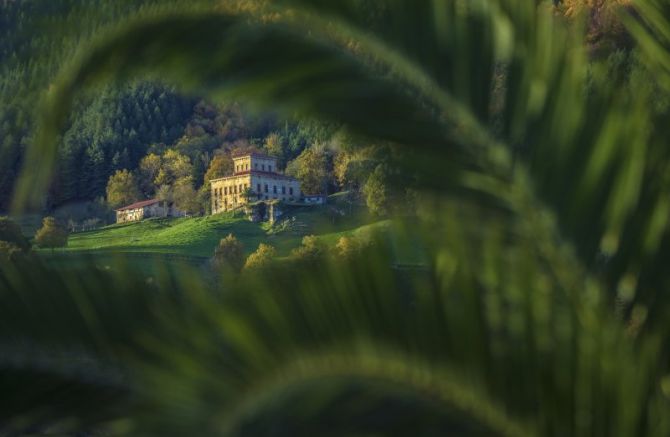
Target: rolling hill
x,y
197,237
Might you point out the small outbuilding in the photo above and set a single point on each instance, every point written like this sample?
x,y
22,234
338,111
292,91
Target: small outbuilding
x,y
315,199
146,209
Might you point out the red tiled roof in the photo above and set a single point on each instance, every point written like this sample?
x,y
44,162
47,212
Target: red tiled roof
x,y
141,204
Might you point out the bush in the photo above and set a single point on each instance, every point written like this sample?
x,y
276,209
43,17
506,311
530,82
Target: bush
x,y
51,234
262,258
229,254
311,250
376,192
10,232
348,247
11,252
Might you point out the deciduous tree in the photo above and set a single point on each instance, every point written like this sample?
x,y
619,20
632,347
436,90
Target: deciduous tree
x,y
185,197
11,233
229,254
311,250
262,258
220,166
312,169
10,251
149,168
274,146
164,194
122,189
376,192
51,234
347,247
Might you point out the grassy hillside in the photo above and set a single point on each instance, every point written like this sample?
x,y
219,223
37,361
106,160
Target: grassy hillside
x,y
199,236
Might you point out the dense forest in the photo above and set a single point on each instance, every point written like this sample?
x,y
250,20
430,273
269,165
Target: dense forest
x,y
115,129
131,127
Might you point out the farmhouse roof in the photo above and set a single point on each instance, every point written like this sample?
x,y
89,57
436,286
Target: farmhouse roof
x,y
138,205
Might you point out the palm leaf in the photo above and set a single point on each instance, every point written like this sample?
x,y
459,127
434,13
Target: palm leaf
x,y
508,332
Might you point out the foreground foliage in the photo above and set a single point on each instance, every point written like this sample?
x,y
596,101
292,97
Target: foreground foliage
x,y
539,310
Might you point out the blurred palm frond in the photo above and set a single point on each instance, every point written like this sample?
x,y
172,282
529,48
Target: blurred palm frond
x,y
545,233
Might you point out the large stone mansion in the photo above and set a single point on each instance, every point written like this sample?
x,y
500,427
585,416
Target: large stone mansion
x,y
255,178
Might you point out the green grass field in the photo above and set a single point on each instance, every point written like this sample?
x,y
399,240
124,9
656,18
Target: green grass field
x,y
151,243
197,237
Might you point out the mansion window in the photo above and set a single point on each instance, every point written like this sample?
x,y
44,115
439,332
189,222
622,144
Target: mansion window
x,y
290,191
274,189
269,168
263,167
283,189
266,189
259,188
225,190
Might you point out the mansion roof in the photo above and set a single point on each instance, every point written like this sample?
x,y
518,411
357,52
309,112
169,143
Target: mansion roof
x,y
138,205
254,172
254,154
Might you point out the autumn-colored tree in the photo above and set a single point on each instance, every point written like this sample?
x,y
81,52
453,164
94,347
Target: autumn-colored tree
x,y
11,233
149,168
175,166
352,167
51,234
274,147
312,169
220,166
185,197
166,169
347,247
376,192
11,252
122,189
606,32
262,258
164,194
229,254
311,250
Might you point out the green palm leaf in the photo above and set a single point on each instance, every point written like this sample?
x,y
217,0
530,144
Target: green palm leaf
x,y
508,332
